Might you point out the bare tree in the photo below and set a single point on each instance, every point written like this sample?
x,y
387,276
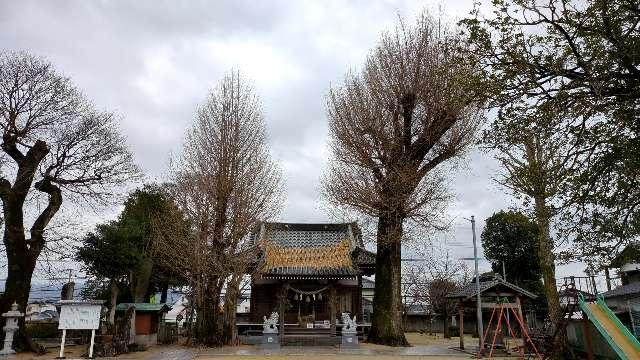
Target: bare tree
x,y
226,183
391,126
428,282
54,142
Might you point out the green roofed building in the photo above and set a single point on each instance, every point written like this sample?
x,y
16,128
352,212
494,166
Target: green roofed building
x,y
146,320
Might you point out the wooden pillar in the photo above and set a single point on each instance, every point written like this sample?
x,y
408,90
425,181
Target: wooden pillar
x,y
281,301
360,312
524,323
461,324
253,303
332,307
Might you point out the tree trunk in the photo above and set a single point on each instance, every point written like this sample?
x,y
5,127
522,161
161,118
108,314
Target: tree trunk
x,y
20,264
22,253
140,281
164,291
445,331
17,288
114,299
386,327
229,329
207,329
548,269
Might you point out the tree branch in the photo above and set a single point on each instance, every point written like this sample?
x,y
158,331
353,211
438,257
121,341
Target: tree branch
x,y
38,227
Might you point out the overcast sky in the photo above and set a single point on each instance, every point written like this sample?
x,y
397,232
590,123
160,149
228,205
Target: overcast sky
x,y
152,62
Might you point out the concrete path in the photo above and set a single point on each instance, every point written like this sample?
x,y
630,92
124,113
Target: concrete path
x,y
365,350
251,352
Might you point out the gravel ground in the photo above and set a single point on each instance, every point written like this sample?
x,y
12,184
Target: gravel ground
x,y
424,347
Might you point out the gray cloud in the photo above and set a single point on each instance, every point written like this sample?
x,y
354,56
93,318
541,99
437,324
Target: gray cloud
x,y
154,61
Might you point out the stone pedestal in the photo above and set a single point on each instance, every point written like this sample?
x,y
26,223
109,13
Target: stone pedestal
x,y
10,328
350,341
270,341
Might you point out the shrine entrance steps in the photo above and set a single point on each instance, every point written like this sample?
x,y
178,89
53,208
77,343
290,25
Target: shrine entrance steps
x,y
298,336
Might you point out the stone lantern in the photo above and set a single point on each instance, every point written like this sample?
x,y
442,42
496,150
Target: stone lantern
x,y
10,327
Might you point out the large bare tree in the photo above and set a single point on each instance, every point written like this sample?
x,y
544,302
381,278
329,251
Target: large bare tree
x,y
408,111
54,143
226,183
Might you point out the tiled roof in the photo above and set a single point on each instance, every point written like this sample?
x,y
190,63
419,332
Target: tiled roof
x,y
332,259
368,284
470,290
416,309
307,235
144,307
311,250
363,257
305,239
307,272
624,290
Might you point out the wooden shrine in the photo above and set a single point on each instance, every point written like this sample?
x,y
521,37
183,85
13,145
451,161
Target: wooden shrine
x,y
309,274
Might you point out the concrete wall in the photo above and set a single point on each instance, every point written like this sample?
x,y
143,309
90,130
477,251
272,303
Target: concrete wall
x,y
422,323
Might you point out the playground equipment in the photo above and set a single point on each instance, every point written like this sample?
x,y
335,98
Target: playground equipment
x,y
611,328
503,309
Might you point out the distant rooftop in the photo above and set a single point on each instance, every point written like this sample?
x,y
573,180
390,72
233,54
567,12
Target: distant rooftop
x,y
470,290
368,284
624,290
144,307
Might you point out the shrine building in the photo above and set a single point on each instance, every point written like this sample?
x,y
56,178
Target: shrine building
x,y
309,274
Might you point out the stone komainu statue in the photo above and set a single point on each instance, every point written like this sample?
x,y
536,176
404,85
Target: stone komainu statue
x,y
349,326
270,325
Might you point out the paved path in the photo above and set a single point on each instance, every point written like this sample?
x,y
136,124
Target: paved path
x,y
365,349
251,352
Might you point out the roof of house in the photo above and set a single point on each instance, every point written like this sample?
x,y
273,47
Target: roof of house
x,y
144,307
417,309
470,290
368,283
311,250
624,290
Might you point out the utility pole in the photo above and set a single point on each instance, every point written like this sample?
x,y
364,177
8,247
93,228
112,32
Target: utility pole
x,y
479,301
504,272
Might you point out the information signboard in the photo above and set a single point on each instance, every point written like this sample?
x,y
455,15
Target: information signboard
x,y
80,316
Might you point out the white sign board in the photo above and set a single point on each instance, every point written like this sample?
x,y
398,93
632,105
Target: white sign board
x,y
80,316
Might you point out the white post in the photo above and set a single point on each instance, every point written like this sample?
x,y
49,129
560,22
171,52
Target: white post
x,y
64,336
93,336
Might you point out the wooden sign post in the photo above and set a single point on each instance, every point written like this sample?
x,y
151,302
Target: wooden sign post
x,y
79,315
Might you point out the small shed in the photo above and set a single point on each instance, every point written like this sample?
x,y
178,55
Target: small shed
x,y
146,320
493,290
